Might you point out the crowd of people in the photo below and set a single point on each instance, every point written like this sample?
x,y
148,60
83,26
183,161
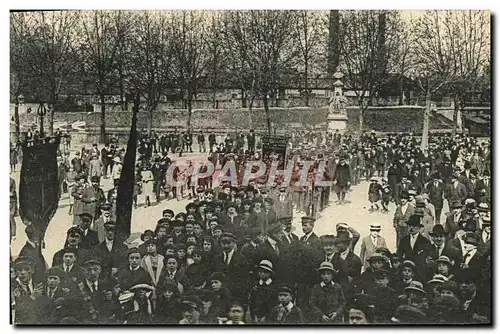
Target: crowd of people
x,y
231,256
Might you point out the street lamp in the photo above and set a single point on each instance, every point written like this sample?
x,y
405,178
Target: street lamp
x,y
41,112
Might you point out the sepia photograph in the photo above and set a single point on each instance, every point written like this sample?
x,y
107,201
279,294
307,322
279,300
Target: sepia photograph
x,y
250,167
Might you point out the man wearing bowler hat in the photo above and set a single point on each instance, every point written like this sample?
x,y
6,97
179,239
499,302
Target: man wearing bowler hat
x,y
438,238
414,246
453,218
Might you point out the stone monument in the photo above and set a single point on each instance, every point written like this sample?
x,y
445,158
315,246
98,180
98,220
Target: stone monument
x,y
337,113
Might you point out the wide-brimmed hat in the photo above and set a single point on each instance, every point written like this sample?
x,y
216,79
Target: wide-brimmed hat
x,y
444,259
117,159
326,266
409,264
144,286
438,279
415,286
266,265
375,227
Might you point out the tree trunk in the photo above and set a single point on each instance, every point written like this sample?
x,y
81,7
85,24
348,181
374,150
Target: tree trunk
x,y
401,91
243,99
16,120
456,107
268,117
306,80
150,121
51,118
123,100
189,108
361,112
427,112
102,133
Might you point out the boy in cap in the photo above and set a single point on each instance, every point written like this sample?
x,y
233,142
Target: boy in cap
x,y
286,312
327,298
263,294
132,272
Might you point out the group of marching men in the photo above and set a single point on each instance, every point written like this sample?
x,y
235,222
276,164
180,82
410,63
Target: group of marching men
x,y
232,256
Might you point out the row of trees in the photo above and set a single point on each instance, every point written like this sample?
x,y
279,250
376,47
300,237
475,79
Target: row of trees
x,y
150,53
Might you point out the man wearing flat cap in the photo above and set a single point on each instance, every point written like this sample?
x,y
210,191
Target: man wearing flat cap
x,y
24,289
414,246
456,190
111,252
105,217
93,302
90,237
233,264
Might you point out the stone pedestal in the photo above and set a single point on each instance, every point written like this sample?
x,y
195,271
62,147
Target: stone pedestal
x,y
337,122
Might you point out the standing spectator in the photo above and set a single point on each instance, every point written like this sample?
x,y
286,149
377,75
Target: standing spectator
x,y
371,243
201,142
117,171
342,180
327,298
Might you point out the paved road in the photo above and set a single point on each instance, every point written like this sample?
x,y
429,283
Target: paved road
x,y
355,214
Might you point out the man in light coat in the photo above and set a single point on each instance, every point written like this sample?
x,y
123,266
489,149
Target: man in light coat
x,y
370,243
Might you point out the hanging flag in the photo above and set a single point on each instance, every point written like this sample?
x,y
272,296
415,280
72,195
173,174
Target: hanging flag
x,y
125,194
39,191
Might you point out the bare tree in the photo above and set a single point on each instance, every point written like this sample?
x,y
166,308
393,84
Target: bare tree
x,y
468,38
103,34
148,66
189,46
47,54
363,54
433,68
310,33
403,56
261,39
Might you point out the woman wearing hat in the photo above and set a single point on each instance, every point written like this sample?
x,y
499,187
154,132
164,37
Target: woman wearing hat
x,y
327,298
137,308
167,303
